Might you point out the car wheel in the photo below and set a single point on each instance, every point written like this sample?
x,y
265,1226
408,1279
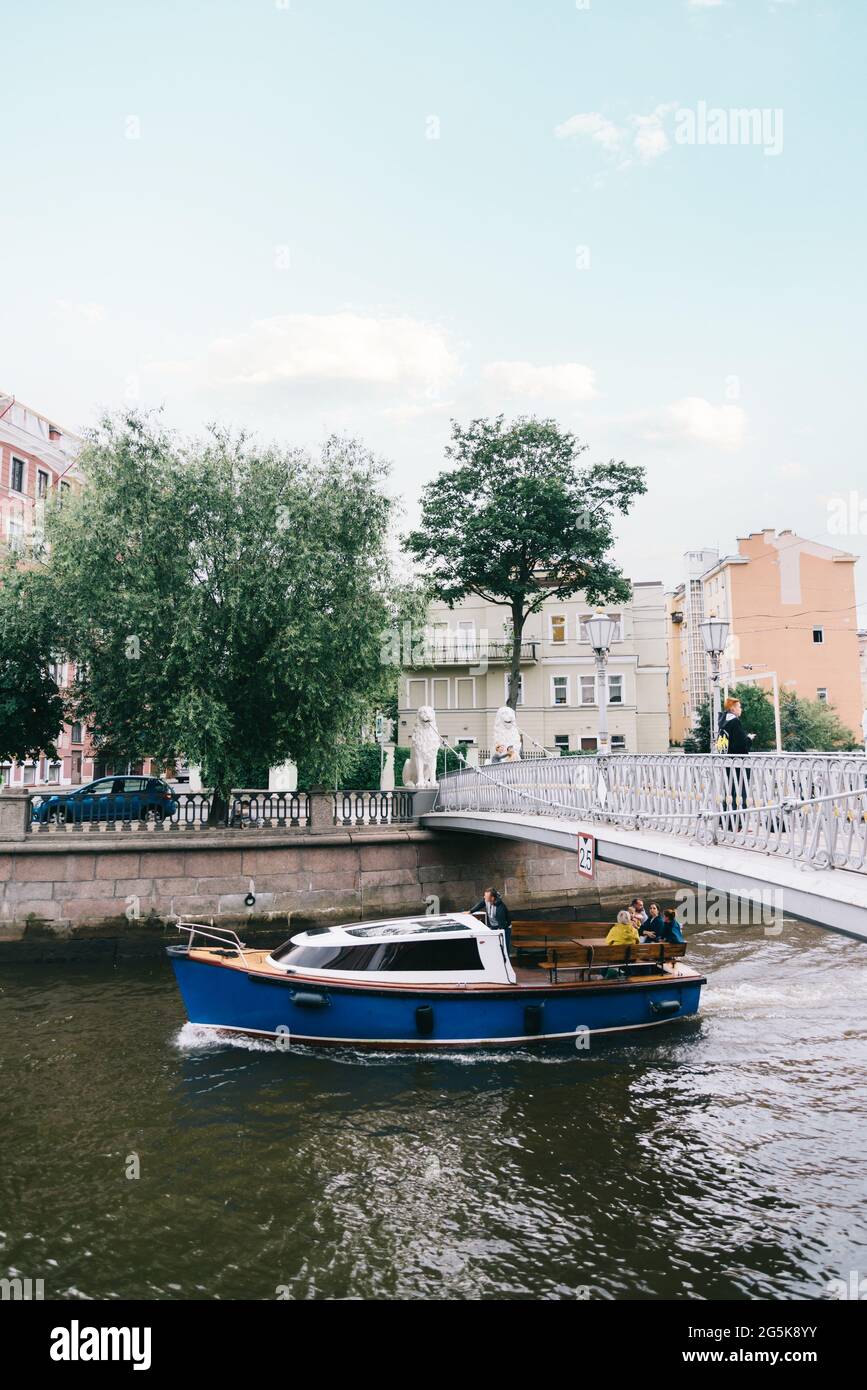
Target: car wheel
x,y
57,816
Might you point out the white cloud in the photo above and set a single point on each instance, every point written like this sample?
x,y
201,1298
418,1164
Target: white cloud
x,y
343,347
704,4
694,420
568,380
650,138
642,136
90,313
597,126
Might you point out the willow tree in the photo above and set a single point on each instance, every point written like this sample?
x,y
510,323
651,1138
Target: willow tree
x,y
222,601
518,520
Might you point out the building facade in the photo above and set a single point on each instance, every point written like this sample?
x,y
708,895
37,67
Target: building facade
x,y
37,463
790,603
462,670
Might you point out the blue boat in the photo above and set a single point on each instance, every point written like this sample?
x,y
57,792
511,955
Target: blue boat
x,y
432,982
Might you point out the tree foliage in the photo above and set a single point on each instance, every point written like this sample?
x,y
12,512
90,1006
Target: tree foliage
x,y
806,726
223,601
516,521
32,708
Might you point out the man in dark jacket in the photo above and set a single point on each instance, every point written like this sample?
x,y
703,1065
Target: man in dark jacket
x,y
496,914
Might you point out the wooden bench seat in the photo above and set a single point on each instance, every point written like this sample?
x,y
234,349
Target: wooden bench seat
x,y
573,956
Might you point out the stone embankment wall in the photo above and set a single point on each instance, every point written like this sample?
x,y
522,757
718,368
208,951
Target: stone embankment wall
x,y
67,895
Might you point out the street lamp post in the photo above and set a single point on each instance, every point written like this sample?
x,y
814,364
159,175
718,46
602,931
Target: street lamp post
x,y
602,631
715,633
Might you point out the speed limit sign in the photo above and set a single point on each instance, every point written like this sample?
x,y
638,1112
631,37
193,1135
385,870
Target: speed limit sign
x,y
586,855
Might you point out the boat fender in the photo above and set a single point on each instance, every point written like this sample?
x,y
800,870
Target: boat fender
x,y
666,1007
306,999
424,1020
534,1015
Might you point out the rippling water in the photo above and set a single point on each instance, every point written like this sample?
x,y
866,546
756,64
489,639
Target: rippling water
x,y
716,1158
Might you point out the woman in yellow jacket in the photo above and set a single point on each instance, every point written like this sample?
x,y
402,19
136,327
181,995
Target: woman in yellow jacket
x,y
624,932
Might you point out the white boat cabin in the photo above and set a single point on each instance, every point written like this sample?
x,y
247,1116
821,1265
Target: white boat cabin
x,y
452,948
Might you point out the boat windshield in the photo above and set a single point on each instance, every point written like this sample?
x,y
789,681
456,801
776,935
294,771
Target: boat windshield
x,y
384,955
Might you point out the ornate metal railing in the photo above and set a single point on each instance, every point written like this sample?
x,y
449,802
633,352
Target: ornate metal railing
x,y
809,807
191,811
468,652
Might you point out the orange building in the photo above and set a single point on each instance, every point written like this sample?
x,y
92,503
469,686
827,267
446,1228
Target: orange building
x,y
792,609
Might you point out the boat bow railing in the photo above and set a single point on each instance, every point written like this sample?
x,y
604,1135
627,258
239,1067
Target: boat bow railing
x,y
222,935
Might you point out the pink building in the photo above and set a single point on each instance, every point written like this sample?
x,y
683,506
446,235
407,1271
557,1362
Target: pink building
x,y
37,459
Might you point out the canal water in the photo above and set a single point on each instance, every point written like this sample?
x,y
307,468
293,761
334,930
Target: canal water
x,y
721,1158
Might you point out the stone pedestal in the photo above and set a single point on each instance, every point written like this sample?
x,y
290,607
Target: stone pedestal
x,y
283,778
14,813
195,782
321,812
386,780
472,755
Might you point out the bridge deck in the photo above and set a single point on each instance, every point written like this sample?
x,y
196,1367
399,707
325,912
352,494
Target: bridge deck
x,y
832,898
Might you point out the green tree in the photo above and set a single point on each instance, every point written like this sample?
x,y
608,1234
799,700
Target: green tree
x,y
223,601
32,708
517,521
813,726
698,738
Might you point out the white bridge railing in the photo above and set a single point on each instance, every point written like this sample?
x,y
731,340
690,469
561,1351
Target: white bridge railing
x,y
811,808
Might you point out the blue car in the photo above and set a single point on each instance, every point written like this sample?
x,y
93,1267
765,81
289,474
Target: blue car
x,y
110,798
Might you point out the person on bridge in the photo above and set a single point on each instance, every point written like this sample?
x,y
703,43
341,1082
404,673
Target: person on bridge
x,y
732,737
624,932
733,740
496,914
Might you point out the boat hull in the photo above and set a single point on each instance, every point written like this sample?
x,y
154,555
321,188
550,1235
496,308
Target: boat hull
x,y
312,1010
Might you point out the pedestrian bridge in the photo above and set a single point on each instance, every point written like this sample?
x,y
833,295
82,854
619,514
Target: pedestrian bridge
x,y
792,825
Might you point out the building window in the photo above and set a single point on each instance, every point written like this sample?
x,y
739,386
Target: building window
x,y
416,693
615,690
520,688
559,690
588,745
41,484
822,694
561,741
54,772
466,641
558,627
818,636
76,733
16,481
588,690
15,533
465,692
618,743
29,776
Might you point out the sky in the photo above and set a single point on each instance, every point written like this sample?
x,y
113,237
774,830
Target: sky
x,y
308,216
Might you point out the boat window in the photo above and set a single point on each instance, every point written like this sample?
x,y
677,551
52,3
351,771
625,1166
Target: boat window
x,y
384,955
406,928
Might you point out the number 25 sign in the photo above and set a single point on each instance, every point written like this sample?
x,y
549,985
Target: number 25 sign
x,y
586,855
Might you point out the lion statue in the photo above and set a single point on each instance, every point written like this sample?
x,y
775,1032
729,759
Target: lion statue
x,y
507,736
420,768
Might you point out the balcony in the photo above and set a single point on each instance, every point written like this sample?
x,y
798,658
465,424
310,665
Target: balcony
x,y
474,653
